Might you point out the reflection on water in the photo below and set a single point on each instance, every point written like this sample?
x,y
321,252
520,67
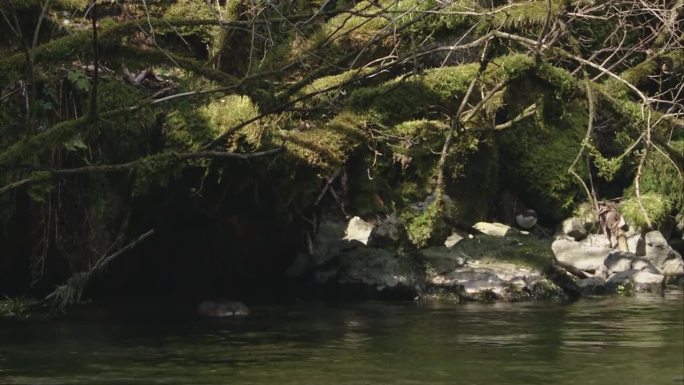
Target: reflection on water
x,y
615,340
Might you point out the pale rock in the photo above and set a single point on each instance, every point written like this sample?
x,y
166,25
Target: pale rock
x,y
495,229
618,261
662,255
596,240
637,280
636,243
358,230
574,228
453,239
578,255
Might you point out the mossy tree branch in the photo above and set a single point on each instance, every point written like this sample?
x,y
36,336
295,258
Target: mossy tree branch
x,y
41,176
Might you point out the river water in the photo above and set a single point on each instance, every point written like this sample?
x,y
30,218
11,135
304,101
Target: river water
x,y
611,340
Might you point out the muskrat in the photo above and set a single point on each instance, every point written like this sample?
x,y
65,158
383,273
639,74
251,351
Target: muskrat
x,y
222,308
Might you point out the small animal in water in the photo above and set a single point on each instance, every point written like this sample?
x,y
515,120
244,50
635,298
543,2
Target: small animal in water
x,y
526,220
222,308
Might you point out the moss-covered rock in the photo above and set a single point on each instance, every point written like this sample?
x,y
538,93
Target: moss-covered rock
x,y
326,147
535,158
485,268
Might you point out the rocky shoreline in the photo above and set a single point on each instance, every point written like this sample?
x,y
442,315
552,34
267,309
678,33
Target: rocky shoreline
x,y
490,262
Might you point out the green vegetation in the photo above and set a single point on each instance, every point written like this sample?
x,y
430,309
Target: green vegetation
x,y
17,307
255,120
657,208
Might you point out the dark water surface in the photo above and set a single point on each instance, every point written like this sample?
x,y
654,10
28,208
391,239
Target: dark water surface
x,y
616,340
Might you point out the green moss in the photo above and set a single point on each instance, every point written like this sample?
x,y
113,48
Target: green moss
x,y
413,144
564,83
661,187
545,289
661,176
442,295
355,30
536,155
421,227
404,99
72,5
639,75
229,111
521,250
195,10
330,82
524,14
326,146
420,19
155,170
365,194
474,183
188,9
28,149
486,295
121,137
111,38
186,129
189,126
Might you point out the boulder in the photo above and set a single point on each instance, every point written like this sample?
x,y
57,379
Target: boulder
x,y
659,252
619,261
376,269
388,232
474,280
329,240
358,230
636,280
596,240
592,285
574,227
636,243
644,264
328,243
578,255
489,267
441,260
490,280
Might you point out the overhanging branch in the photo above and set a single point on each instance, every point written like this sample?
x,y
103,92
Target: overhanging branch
x,y
109,168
